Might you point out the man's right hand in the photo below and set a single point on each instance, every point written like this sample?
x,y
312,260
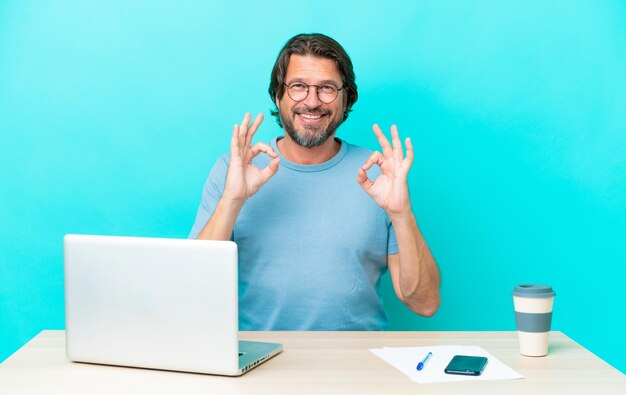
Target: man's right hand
x,y
243,178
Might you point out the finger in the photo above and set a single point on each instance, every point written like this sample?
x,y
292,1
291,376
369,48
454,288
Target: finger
x,y
363,180
262,147
408,161
234,143
253,128
397,145
235,137
375,158
245,122
243,130
382,140
270,169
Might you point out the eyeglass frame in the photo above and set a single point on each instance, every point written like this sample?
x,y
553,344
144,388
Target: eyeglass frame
x,y
317,91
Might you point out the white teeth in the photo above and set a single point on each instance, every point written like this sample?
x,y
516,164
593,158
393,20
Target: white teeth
x,y
307,116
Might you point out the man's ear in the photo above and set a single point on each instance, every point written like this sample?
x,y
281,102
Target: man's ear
x,y
277,102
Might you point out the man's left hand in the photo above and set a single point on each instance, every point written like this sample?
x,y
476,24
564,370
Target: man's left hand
x,y
390,190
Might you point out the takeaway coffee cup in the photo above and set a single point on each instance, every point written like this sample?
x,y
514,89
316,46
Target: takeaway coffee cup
x,y
533,316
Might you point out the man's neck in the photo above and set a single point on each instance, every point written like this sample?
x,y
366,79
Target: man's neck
x,y
295,153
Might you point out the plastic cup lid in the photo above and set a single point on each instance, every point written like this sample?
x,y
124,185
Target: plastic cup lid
x,y
533,291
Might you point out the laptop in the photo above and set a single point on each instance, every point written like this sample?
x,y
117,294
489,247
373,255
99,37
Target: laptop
x,y
168,304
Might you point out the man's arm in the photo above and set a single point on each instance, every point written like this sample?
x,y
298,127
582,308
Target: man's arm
x,y
414,272
243,179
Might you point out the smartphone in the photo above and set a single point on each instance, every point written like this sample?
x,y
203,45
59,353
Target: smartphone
x,y
467,365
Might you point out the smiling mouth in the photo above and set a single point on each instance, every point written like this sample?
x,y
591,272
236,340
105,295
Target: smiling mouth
x,y
311,116
310,119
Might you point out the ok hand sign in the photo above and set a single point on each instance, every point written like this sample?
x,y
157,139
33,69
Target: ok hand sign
x,y
244,178
390,190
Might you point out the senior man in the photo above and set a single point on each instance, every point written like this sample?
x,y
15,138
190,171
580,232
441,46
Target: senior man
x,y
313,241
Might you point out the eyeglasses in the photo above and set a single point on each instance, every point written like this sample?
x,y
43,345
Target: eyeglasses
x,y
299,91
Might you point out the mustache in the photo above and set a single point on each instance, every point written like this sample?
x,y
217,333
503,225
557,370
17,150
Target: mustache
x,y
311,110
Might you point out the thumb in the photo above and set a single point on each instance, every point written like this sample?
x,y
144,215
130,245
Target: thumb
x,y
270,169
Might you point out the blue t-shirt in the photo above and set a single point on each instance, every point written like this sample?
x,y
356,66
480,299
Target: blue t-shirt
x,y
312,245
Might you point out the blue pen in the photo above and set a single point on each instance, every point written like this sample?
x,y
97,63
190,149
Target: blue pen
x,y
421,365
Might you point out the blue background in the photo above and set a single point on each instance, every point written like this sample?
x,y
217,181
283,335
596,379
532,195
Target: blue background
x,y
112,113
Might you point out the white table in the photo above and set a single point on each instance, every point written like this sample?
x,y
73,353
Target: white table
x,y
318,363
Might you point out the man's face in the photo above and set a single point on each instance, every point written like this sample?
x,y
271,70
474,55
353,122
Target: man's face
x,y
311,122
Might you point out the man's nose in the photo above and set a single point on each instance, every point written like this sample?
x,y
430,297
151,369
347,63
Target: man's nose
x,y
311,99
